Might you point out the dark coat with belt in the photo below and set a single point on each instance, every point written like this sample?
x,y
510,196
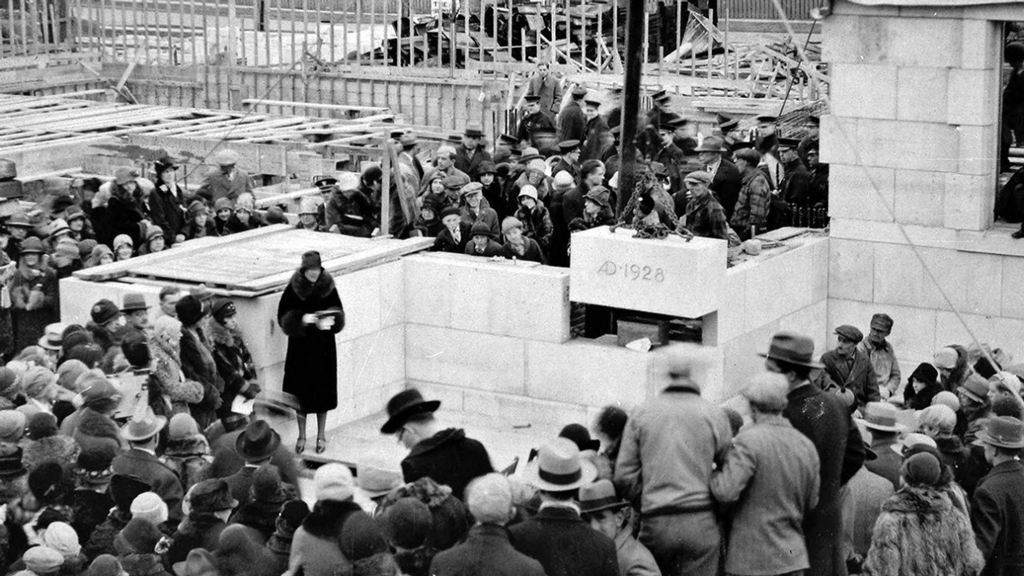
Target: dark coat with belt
x,y
726,185
448,458
823,418
565,545
310,368
998,519
162,480
486,551
468,161
858,377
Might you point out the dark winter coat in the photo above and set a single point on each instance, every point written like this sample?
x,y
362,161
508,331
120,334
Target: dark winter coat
x,y
89,509
531,252
146,467
193,230
34,303
726,185
102,539
915,523
537,224
351,211
226,460
565,545
197,531
487,551
468,161
217,185
234,362
445,242
197,364
997,515
484,214
260,516
823,418
235,225
121,215
310,369
189,458
332,536
859,378
167,212
572,122
491,249
449,458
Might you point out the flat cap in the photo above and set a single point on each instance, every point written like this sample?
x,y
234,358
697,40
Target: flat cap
x,y
851,333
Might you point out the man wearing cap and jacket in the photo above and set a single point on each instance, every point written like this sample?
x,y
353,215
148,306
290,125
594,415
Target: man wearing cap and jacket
x,y
610,515
849,367
997,508
227,181
882,356
349,211
445,455
571,120
534,122
595,132
665,460
702,215
557,536
256,445
470,154
824,419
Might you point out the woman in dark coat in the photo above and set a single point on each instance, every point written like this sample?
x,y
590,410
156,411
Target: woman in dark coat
x,y
310,313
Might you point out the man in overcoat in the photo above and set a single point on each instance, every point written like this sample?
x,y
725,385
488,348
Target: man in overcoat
x,y
850,368
140,460
824,419
997,509
470,154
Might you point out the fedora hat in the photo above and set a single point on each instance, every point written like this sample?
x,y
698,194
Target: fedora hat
x,y
599,496
1002,432
474,131
212,495
53,336
403,405
558,467
881,416
911,440
257,441
133,302
144,426
711,144
793,349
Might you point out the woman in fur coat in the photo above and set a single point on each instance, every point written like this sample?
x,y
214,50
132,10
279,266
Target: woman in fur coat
x,y
234,362
919,531
166,347
310,313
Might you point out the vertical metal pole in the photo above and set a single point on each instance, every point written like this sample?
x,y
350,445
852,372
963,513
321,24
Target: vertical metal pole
x,y
385,185
631,100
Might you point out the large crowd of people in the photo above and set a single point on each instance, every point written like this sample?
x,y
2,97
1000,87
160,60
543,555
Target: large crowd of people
x,y
838,466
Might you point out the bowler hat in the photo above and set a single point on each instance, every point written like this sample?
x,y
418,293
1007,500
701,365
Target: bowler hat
x,y
881,416
104,311
257,441
474,131
599,496
792,349
711,144
592,102
558,467
1002,432
212,495
134,301
143,426
851,333
404,405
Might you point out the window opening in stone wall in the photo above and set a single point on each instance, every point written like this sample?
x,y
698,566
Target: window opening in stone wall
x,y
1010,197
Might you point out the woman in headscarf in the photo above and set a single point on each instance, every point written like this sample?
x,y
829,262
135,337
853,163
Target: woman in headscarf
x,y
311,314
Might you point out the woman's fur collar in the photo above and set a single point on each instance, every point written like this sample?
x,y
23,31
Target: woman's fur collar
x,y
327,518
304,289
919,500
219,334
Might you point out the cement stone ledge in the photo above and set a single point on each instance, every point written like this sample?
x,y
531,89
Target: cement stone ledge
x,y
995,240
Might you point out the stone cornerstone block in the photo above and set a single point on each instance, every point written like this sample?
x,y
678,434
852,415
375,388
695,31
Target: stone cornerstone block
x,y
670,276
839,140
864,91
924,42
920,93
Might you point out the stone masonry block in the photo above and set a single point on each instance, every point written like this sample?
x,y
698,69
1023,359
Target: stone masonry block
x,y
839,140
524,410
847,8
923,146
392,293
924,42
1005,333
819,269
972,97
790,277
851,270
840,41
968,202
810,321
469,359
732,312
864,91
1012,298
979,44
899,277
978,150
586,372
919,197
861,192
967,279
920,93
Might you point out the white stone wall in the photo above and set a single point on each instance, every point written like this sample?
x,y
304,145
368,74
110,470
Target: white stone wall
x,y
913,147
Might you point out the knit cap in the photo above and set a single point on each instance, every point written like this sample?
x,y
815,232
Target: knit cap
x,y
149,506
62,537
407,523
921,469
43,559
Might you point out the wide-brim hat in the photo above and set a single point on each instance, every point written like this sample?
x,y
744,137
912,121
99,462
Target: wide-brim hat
x,y
792,349
258,441
559,467
600,496
881,416
1002,432
474,132
404,405
144,427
